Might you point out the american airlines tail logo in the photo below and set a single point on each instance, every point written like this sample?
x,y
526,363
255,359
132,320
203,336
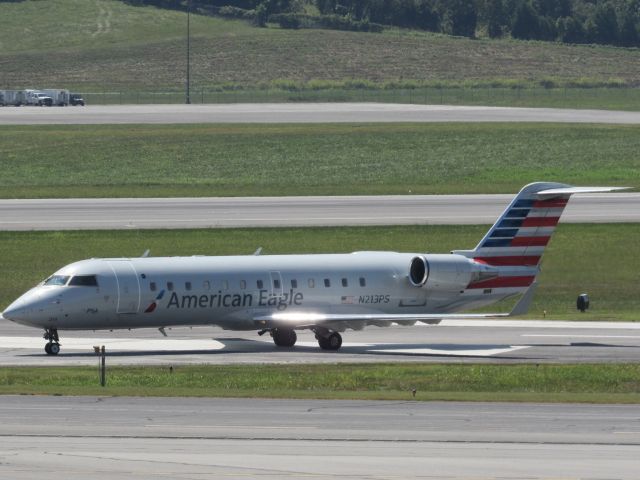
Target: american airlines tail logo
x,y
153,305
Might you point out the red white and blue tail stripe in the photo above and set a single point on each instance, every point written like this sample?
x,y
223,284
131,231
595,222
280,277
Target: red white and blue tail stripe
x,y
515,243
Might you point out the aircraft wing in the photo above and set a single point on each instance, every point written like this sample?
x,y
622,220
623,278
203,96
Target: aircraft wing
x,y
312,319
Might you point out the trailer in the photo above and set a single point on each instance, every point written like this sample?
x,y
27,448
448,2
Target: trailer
x,y
59,97
12,97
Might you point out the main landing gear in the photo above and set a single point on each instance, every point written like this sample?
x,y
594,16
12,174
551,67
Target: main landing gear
x,y
53,346
327,339
286,337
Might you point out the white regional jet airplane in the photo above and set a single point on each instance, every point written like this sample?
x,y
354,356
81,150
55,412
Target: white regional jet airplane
x,y
280,294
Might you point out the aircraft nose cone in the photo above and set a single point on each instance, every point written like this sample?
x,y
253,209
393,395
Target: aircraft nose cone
x,y
16,312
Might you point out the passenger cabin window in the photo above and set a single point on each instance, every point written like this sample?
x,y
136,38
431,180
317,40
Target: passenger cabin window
x,y
260,284
187,285
312,283
57,280
170,286
152,286
327,282
225,285
276,283
294,283
363,282
345,283
243,284
206,285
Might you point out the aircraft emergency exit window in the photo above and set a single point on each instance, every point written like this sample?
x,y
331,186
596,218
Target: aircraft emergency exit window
x,y
294,283
345,283
152,286
363,282
57,280
187,285
327,282
259,284
170,286
276,283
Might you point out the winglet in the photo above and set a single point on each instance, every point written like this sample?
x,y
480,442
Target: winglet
x,y
522,307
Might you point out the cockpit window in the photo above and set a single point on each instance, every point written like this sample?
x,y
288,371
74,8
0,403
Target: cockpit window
x,y
57,280
83,281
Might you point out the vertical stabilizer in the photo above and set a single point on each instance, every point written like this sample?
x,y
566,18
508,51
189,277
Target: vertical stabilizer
x,y
515,243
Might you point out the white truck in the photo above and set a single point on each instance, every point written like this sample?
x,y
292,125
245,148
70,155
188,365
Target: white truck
x,y
37,97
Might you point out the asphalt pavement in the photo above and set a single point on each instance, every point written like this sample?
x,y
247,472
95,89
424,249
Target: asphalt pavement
x,y
193,438
133,213
302,113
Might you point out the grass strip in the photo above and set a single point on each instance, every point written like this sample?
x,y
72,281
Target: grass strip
x,y
601,98
107,45
609,383
331,159
600,259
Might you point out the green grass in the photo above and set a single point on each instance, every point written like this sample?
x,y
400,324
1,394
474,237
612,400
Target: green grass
x,y
106,45
613,383
607,98
602,260
241,160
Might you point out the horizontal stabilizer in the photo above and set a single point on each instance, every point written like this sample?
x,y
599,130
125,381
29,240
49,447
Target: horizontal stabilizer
x,y
552,192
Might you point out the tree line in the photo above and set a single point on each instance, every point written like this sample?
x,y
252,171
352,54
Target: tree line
x,y
609,22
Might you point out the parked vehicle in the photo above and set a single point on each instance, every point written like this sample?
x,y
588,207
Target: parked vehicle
x,y
58,97
12,97
76,99
37,97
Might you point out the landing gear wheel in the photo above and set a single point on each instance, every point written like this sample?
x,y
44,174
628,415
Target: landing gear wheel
x,y
53,345
284,337
332,342
52,348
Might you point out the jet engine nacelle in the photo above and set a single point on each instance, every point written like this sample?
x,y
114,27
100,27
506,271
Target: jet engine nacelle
x,y
447,272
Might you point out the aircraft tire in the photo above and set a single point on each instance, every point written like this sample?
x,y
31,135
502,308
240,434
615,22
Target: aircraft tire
x,y
47,348
54,349
332,342
284,337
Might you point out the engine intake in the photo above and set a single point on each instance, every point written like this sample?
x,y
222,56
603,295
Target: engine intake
x,y
418,271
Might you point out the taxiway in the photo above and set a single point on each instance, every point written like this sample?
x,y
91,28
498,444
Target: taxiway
x,y
127,213
453,341
188,438
303,113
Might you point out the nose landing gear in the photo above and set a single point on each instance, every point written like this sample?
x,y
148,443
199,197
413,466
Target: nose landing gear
x,y
53,346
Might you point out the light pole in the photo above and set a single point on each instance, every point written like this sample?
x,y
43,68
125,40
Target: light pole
x,y
188,98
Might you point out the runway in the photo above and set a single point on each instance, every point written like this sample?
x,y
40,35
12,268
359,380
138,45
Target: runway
x,y
453,341
189,438
127,213
302,113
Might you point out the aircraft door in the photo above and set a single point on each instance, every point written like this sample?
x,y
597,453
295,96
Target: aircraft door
x,y
276,284
128,286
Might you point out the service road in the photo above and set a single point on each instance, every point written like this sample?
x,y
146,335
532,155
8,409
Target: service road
x,y
127,213
302,113
188,438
